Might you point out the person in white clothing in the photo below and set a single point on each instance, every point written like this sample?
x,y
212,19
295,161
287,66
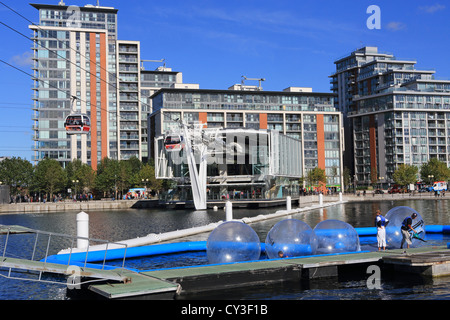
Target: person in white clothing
x,y
381,223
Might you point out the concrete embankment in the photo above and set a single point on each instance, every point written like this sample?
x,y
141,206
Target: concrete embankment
x,y
29,207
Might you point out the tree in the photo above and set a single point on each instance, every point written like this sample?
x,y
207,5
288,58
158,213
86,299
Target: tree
x,y
434,170
49,177
346,177
115,176
107,176
17,173
86,177
405,175
147,173
316,177
82,173
134,165
124,176
373,176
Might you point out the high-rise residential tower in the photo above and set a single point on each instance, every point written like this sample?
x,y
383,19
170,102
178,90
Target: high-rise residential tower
x,y
397,114
75,72
80,66
343,82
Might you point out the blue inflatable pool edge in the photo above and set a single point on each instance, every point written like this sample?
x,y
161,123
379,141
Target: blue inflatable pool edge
x,y
434,228
133,252
187,246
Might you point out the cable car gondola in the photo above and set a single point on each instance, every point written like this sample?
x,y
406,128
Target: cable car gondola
x,y
77,123
174,143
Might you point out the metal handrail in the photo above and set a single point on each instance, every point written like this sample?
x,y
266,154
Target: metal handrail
x,y
55,234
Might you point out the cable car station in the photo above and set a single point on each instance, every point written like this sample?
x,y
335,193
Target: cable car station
x,y
215,164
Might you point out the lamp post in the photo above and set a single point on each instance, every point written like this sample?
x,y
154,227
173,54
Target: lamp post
x,y
430,179
75,182
379,181
145,181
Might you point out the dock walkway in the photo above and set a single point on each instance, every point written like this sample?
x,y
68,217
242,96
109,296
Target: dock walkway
x,y
233,275
56,268
120,283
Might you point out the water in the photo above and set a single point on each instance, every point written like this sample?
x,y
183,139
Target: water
x,y
125,224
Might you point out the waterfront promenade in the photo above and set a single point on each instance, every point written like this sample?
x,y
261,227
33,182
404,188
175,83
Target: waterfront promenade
x,y
32,207
67,205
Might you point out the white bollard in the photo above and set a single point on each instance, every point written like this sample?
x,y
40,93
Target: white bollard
x,y
228,211
320,199
340,196
82,230
288,203
215,208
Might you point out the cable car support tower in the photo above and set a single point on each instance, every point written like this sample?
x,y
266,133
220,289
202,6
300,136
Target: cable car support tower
x,y
196,142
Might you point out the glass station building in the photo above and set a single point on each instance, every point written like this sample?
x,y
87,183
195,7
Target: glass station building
x,y
308,123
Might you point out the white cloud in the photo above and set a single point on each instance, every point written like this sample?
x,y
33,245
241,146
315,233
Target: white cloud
x,y
23,60
396,26
433,8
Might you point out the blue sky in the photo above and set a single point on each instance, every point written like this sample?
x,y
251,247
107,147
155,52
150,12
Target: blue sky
x,y
214,43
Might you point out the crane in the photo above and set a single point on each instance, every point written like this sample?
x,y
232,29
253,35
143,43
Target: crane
x,y
243,78
161,60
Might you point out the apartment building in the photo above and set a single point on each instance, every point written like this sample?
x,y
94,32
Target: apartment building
x,y
74,69
80,66
309,117
396,114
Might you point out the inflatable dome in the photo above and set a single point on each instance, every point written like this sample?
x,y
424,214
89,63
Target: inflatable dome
x,y
233,241
290,238
396,216
336,236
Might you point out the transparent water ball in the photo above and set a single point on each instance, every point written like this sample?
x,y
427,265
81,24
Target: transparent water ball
x,y
233,241
393,229
335,236
290,238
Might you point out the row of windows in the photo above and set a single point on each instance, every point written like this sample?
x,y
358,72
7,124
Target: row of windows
x,y
255,106
235,120
53,54
76,14
53,44
421,99
53,64
246,98
53,34
158,77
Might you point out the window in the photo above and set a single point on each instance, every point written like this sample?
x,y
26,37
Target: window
x,y
309,118
42,53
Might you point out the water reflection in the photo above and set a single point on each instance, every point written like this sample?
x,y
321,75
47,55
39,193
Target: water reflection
x,y
125,224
